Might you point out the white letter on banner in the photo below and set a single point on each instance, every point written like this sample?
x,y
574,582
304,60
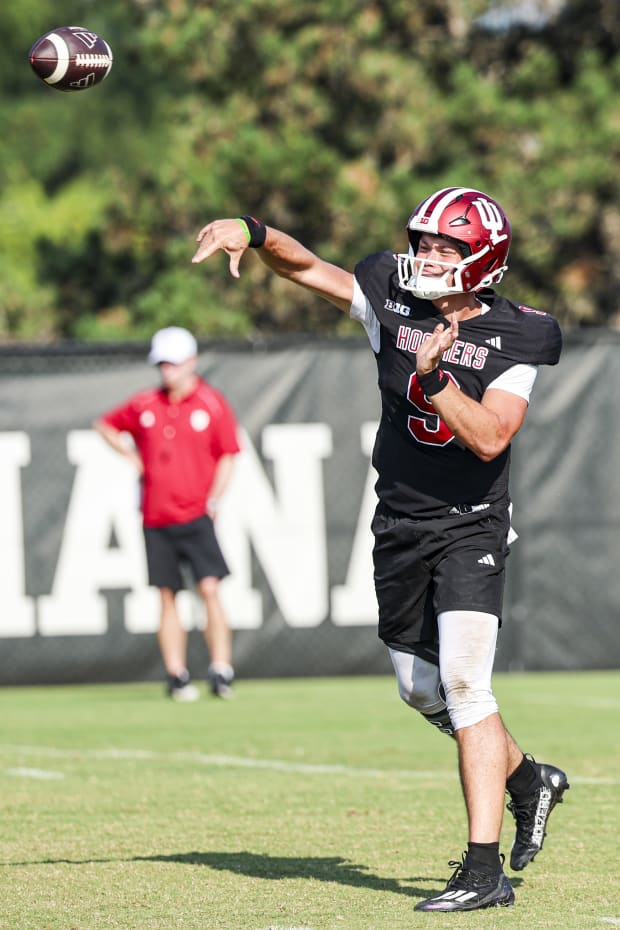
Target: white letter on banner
x,y
286,528
354,603
17,618
104,500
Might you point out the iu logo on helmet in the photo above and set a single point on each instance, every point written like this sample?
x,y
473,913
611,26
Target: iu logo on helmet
x,y
491,219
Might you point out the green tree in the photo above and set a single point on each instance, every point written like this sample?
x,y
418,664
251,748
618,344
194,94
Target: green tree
x,y
330,118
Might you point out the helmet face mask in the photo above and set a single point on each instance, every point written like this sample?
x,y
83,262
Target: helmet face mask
x,y
473,224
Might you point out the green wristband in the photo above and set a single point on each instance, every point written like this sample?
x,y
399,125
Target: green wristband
x,y
245,228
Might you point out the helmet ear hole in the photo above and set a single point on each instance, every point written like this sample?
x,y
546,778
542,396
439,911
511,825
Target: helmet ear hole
x,y
414,239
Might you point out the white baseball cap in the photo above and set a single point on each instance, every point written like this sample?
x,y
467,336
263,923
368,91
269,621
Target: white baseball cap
x,y
172,344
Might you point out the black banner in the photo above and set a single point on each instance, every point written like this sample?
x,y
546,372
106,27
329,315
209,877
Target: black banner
x,y
295,523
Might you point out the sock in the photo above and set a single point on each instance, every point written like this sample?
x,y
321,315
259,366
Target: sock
x,y
177,681
484,857
222,668
524,780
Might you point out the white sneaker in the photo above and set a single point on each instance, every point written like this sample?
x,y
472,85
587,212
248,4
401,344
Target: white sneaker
x,y
220,681
180,688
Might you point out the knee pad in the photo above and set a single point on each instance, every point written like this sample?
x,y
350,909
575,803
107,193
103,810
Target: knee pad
x,y
419,686
467,648
469,703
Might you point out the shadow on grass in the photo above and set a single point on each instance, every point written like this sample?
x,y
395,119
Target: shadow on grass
x,y
276,868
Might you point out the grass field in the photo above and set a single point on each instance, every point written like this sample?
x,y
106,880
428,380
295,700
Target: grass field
x,y
319,804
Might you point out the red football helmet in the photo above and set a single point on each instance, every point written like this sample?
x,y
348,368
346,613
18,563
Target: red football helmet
x,y
475,224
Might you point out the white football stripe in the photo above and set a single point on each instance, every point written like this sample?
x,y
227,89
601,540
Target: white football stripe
x,y
110,55
62,53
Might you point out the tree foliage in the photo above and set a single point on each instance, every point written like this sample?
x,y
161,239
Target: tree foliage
x,y
329,118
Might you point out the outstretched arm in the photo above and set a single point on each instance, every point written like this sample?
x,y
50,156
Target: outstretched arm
x,y
284,255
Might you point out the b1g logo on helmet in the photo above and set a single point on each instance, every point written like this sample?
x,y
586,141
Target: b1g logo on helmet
x,y
491,219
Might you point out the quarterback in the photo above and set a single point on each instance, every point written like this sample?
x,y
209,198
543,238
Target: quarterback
x,y
456,364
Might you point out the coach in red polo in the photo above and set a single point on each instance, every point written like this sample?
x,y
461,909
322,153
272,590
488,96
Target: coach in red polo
x,y
184,442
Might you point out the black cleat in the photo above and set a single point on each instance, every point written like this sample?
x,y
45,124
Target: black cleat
x,y
532,813
470,890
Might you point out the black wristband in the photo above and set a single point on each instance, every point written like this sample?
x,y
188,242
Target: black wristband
x,y
433,382
257,231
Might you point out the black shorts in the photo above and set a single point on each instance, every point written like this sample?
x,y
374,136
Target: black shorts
x,y
192,544
424,567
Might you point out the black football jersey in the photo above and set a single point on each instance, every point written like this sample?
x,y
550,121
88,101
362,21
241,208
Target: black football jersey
x,y
423,469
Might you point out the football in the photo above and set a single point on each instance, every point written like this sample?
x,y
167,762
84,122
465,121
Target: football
x,y
71,58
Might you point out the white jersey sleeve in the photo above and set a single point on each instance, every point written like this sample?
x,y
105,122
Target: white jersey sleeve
x,y
516,380
361,310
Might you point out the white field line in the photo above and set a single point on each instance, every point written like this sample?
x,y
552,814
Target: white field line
x,y
585,703
219,761
44,774
276,765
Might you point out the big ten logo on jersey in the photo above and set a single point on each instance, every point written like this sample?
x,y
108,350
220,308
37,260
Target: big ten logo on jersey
x,y
395,307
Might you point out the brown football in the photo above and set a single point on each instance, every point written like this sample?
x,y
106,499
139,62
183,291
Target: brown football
x,y
71,58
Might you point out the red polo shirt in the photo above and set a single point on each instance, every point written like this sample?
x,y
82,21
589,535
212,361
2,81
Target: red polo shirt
x,y
180,444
